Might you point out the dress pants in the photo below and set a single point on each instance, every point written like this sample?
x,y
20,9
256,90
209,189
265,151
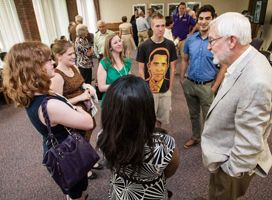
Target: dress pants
x,y
225,187
197,96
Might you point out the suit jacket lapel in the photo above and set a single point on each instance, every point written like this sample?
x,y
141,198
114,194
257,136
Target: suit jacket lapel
x,y
232,79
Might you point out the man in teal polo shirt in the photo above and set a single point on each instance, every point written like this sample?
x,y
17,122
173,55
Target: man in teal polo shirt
x,y
199,86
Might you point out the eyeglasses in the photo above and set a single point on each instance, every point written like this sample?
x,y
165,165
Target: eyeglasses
x,y
210,41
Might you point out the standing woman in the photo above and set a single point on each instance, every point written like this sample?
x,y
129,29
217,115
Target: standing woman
x,y
84,53
28,70
139,156
69,83
113,65
126,34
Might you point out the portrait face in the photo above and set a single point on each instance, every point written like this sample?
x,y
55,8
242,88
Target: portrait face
x,y
116,44
181,9
158,67
158,27
204,19
68,58
219,47
102,27
49,67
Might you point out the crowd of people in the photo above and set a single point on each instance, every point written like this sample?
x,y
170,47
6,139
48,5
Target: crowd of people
x,y
221,75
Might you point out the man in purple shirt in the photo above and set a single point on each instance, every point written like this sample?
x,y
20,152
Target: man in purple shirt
x,y
182,22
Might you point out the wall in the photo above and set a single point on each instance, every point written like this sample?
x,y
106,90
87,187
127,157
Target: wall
x,y
267,34
113,10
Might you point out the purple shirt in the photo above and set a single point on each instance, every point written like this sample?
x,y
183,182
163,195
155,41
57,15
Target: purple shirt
x,y
181,25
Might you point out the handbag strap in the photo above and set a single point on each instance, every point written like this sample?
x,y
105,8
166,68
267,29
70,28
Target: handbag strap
x,y
46,117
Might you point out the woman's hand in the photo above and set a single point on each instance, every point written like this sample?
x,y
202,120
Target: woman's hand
x,y
90,52
85,96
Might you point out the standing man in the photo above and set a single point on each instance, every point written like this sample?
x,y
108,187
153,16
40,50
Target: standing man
x,y
200,85
142,27
234,140
148,18
99,39
182,22
156,58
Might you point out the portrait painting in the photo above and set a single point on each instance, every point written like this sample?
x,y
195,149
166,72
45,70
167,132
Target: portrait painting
x,y
194,5
139,7
172,8
157,7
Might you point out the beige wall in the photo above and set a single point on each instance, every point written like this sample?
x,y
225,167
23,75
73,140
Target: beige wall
x,y
113,10
267,33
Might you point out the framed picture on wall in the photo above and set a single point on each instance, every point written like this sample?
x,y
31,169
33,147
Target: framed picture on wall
x,y
139,7
172,8
194,5
157,7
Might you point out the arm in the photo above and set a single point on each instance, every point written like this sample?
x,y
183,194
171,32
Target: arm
x,y
173,165
141,70
101,78
219,78
146,23
172,75
193,30
120,32
60,113
131,31
184,67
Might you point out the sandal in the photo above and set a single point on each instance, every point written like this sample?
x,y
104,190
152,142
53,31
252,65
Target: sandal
x,y
99,167
192,142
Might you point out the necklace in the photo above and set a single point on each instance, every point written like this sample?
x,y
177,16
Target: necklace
x,y
120,70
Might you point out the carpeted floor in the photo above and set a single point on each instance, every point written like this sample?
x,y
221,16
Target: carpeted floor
x,y
22,175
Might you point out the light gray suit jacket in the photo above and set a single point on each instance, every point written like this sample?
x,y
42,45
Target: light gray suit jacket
x,y
239,121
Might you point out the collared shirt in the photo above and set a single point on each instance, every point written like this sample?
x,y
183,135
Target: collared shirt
x,y
181,25
234,65
201,67
142,24
99,41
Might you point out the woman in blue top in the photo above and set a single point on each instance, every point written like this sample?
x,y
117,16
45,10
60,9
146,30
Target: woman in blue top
x,y
28,70
113,65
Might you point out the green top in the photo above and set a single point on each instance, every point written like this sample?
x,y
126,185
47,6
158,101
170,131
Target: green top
x,y
113,74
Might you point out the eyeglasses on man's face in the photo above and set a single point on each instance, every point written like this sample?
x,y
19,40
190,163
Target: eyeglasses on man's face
x,y
212,40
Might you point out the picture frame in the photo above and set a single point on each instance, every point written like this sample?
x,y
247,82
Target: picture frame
x,y
172,8
157,7
193,5
139,7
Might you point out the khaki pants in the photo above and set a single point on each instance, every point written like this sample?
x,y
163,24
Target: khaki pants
x,y
197,96
143,36
180,47
225,187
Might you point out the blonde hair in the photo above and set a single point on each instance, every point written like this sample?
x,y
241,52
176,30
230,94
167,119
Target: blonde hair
x,y
60,47
24,73
107,51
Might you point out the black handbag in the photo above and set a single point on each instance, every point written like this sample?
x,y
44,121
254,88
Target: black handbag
x,y
70,160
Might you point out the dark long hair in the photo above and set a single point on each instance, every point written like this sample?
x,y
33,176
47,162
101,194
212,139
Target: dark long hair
x,y
128,121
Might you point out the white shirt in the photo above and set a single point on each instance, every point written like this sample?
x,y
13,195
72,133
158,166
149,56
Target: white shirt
x,y
234,65
168,35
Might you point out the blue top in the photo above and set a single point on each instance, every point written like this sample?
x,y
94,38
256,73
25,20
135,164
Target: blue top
x,y
201,67
113,74
142,24
181,25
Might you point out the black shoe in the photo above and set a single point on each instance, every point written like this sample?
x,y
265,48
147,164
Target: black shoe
x,y
99,167
170,194
93,176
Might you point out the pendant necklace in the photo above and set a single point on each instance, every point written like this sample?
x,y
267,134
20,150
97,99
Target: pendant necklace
x,y
120,70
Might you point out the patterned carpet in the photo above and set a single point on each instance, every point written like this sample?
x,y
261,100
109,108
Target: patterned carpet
x,y
22,175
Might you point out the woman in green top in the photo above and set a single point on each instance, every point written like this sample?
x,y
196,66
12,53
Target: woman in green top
x,y
113,65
